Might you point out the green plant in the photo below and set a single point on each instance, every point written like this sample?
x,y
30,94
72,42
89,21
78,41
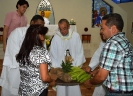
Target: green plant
x,y
66,66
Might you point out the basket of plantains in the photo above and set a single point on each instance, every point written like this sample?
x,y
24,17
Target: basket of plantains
x,y
69,75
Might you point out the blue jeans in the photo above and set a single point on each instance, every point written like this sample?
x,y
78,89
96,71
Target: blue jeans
x,y
117,94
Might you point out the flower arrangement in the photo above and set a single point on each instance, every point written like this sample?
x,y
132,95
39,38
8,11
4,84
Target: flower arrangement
x,y
68,73
72,22
47,41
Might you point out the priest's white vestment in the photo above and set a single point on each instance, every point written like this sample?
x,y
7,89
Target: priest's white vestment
x,y
99,89
10,76
58,48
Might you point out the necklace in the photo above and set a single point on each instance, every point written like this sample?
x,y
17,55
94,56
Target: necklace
x,y
65,38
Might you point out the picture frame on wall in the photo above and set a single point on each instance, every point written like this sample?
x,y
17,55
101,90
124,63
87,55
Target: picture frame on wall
x,y
99,9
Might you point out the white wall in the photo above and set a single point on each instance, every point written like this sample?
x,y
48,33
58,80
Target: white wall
x,y
128,7
126,10
79,10
10,5
118,9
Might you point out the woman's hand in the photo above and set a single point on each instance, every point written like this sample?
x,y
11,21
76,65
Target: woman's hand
x,y
53,83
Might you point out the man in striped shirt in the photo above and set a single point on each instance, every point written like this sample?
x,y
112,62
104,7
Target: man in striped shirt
x,y
116,59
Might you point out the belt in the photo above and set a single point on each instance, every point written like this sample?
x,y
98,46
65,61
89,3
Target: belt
x,y
115,91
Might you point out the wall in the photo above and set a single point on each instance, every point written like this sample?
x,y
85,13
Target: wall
x,y
79,10
128,8
125,9
118,9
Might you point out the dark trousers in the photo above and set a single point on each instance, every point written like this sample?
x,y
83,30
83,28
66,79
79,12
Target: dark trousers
x,y
44,93
108,93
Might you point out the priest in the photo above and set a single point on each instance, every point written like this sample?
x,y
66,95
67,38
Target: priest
x,y
66,39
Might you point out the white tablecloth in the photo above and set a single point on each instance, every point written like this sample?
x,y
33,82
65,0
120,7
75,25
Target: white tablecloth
x,y
54,28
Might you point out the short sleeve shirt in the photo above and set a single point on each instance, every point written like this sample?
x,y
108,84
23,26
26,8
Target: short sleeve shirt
x,y
117,58
13,20
31,83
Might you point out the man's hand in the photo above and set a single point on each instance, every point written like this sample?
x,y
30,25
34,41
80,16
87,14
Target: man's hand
x,y
4,47
87,84
94,72
87,69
